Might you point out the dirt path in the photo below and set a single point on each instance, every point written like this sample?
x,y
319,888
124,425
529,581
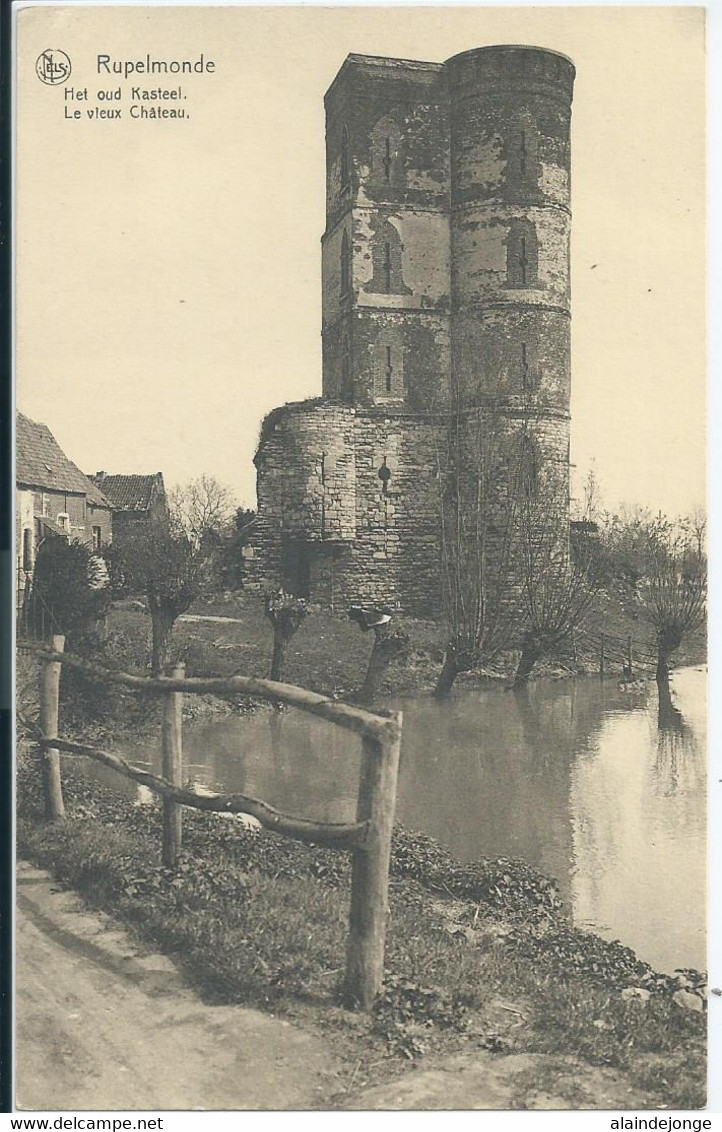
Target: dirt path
x,y
104,1025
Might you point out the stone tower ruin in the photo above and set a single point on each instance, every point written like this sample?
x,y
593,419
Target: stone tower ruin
x,y
445,269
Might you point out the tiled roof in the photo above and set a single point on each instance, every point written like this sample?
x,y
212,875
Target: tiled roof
x,y
129,493
41,463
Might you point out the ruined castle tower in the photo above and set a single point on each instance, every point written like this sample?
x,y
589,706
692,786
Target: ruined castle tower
x,y
445,267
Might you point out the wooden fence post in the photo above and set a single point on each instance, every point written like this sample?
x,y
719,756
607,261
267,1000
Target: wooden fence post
x,y
601,656
370,872
49,716
173,770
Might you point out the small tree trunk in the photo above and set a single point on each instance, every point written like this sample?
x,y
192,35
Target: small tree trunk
x,y
527,660
387,647
162,622
662,673
279,650
448,674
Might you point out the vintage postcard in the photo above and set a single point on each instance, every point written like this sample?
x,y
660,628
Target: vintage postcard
x,y
361,559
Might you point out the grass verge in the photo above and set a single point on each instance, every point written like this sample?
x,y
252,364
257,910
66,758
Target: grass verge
x,y
258,919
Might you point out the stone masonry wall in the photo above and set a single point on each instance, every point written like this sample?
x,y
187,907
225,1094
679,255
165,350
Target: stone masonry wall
x,y
370,538
445,279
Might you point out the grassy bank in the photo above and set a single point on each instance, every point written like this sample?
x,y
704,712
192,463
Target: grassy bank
x,y
479,954
329,654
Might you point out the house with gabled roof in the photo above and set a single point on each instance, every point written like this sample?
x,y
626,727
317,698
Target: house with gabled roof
x,y
53,497
135,498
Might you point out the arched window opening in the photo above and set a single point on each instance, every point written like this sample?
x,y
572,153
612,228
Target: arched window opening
x,y
387,167
522,254
345,159
387,253
522,157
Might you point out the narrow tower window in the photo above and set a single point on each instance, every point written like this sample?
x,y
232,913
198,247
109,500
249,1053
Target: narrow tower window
x,y
387,255
345,159
521,148
522,255
387,159
388,364
345,266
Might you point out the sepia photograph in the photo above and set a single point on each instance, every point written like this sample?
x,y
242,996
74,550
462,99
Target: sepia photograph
x,y
360,559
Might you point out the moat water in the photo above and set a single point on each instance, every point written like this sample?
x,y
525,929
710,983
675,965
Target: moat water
x,y
595,786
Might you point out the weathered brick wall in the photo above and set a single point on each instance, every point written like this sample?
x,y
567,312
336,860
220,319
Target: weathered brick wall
x,y
510,226
445,266
386,327
369,538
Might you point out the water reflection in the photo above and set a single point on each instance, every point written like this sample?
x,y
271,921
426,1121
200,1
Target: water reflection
x,y
601,788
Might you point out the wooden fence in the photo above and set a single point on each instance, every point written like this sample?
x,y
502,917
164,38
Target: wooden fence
x,y
368,838
615,655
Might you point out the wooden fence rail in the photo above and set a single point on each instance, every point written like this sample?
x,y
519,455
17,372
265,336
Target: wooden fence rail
x,y
368,838
621,651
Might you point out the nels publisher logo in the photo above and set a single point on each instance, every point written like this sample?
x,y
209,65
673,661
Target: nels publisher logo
x,y
52,67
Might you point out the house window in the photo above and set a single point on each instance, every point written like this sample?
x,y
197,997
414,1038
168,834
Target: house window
x,y
522,254
27,550
345,266
345,160
63,521
97,538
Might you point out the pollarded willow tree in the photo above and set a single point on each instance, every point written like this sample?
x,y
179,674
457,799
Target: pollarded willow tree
x,y
556,588
157,559
478,476
286,612
509,578
674,584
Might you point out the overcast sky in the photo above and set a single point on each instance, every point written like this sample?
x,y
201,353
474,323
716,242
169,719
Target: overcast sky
x,y
169,273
